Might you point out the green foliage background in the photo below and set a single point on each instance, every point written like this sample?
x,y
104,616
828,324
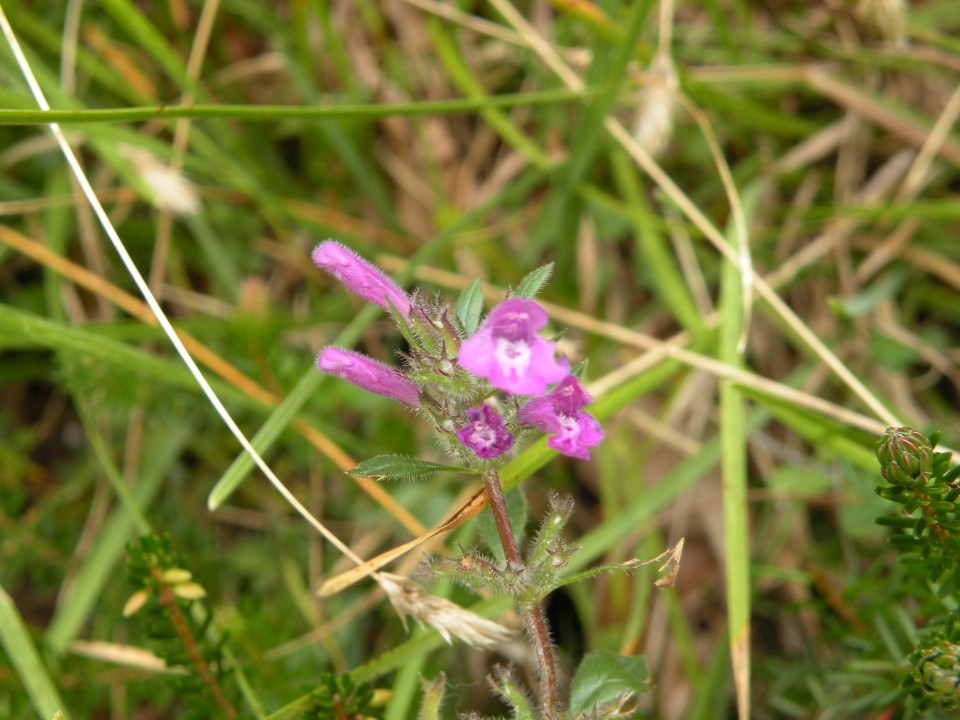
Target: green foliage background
x,y
434,140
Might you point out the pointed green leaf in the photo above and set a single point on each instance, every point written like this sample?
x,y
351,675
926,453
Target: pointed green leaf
x,y
532,283
506,686
469,306
397,467
433,691
605,677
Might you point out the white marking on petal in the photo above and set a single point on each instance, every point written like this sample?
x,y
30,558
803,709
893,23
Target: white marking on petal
x,y
512,357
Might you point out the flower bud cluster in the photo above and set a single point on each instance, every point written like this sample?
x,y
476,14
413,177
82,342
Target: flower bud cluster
x,y
481,391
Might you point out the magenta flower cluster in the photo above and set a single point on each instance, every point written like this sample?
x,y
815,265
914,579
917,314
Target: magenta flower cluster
x,y
506,351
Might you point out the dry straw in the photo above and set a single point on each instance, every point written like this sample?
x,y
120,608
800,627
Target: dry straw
x,y
887,18
449,619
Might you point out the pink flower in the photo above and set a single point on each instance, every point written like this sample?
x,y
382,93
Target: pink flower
x,y
507,351
368,374
559,413
485,433
360,277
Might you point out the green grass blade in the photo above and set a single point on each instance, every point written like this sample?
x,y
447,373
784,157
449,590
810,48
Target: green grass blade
x,y
449,56
736,520
559,218
25,659
20,329
150,39
273,113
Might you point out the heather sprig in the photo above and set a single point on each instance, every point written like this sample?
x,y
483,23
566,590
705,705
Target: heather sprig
x,y
926,532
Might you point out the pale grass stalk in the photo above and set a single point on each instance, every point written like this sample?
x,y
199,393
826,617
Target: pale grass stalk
x,y
468,21
852,97
148,296
92,250
745,261
917,177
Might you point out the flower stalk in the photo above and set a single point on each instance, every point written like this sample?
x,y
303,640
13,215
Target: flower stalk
x,y
533,618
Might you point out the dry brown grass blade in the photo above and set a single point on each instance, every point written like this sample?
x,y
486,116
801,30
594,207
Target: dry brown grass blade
x,y
853,99
671,558
204,355
471,508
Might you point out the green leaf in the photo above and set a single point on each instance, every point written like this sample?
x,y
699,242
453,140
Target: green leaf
x,y
531,284
395,467
604,677
469,305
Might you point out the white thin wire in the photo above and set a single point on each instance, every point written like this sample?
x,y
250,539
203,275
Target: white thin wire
x,y
117,243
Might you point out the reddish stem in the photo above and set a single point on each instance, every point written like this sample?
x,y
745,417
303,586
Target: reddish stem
x,y
533,614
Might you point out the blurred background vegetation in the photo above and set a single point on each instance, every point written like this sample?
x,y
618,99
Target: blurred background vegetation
x,y
810,141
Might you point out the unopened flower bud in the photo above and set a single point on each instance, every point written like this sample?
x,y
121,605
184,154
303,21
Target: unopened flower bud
x,y
189,591
368,374
174,576
906,456
135,603
360,276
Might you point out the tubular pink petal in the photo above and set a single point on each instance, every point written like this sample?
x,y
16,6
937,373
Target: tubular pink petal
x,y
368,374
360,277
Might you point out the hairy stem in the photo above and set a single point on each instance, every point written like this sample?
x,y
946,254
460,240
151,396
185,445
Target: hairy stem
x,y
533,614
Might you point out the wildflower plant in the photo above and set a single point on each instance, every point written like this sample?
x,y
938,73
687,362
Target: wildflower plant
x,y
487,386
